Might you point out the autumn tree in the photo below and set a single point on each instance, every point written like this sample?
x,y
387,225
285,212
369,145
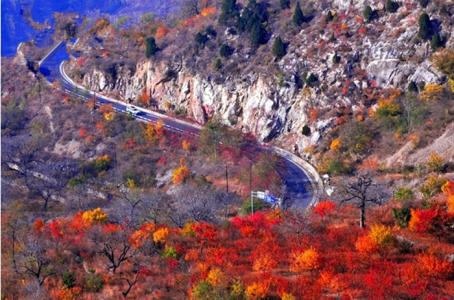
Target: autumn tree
x,y
360,192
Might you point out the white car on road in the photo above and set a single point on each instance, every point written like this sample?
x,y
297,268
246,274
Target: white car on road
x,y
132,110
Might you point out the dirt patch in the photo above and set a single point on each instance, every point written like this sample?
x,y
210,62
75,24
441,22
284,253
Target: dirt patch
x,y
72,149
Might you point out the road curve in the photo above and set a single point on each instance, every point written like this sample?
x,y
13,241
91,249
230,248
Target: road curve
x,y
303,184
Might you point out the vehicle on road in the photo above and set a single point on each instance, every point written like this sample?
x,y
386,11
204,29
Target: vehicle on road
x,y
131,109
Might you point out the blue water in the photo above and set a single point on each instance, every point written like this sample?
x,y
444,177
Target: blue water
x,y
15,28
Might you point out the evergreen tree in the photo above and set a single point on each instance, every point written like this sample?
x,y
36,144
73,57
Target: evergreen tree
x,y
412,87
279,48
391,6
436,42
329,16
298,16
425,29
312,80
225,50
285,4
423,3
151,47
229,12
258,35
367,13
201,38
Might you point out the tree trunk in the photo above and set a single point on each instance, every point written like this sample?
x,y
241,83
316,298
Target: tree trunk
x,y
362,220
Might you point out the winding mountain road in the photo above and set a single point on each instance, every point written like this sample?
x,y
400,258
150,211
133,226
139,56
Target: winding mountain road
x,y
303,184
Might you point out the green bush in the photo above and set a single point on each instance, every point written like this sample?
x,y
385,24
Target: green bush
x,y
401,216
93,282
69,279
246,207
403,194
170,252
432,186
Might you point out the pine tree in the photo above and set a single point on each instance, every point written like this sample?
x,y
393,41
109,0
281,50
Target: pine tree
x,y
229,12
423,3
436,42
258,35
391,6
285,4
151,47
278,48
298,16
425,30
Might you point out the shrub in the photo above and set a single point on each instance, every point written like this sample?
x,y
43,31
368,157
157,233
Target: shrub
x,y
170,252
298,16
432,186
180,174
151,47
93,282
403,194
278,48
246,207
444,61
435,162
69,279
401,216
425,27
421,219
381,235
431,92
225,50
305,260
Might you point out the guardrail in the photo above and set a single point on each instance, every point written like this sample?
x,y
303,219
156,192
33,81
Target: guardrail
x,y
49,53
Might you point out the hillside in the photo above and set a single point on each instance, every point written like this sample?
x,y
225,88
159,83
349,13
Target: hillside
x,y
233,149
336,68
